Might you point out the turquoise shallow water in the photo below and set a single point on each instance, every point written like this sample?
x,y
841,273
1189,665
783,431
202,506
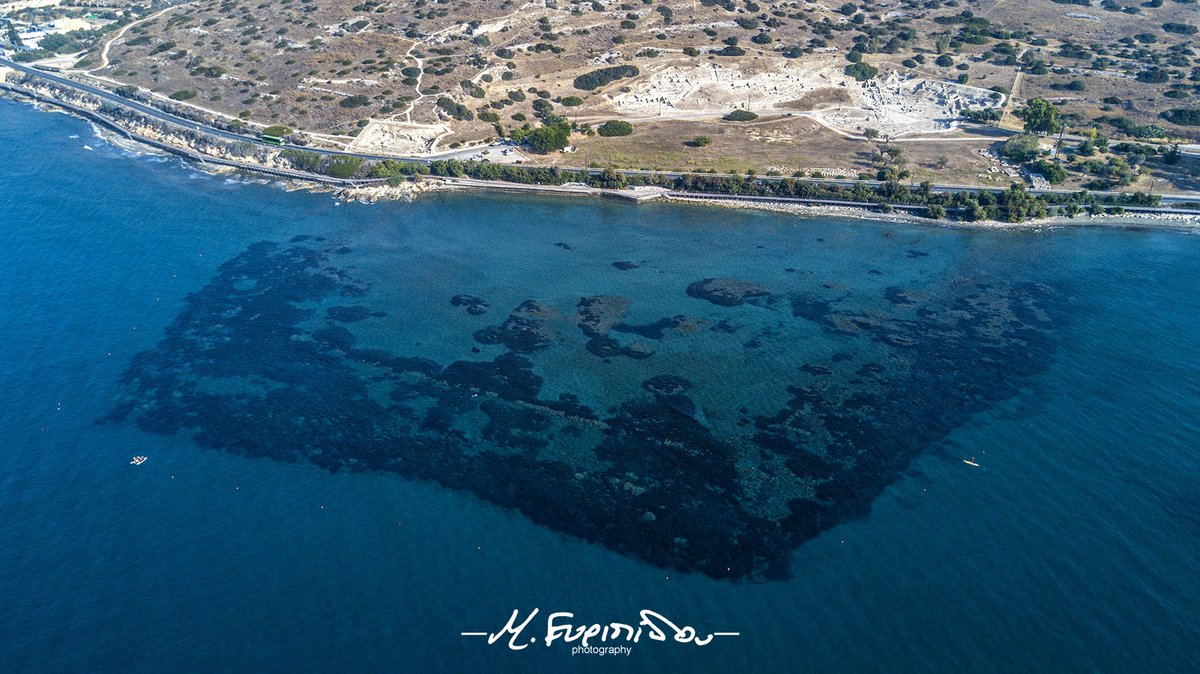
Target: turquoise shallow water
x,y
1072,549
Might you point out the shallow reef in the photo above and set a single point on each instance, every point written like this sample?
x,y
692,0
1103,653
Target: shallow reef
x,y
728,292
263,362
474,305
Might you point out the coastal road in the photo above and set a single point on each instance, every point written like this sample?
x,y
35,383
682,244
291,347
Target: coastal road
x,y
156,113
185,123
846,182
107,95
863,204
582,190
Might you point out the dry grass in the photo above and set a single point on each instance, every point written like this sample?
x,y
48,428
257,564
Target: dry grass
x,y
294,61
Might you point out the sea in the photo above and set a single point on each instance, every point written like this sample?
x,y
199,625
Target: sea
x,y
373,432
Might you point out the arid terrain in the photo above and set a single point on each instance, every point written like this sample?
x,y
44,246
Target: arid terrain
x,y
860,87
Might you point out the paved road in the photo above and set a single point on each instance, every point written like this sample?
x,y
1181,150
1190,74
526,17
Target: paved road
x,y
153,112
595,191
156,113
290,174
870,204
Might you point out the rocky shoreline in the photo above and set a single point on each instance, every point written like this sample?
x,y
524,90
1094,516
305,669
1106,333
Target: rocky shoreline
x,y
1158,220
405,191
269,163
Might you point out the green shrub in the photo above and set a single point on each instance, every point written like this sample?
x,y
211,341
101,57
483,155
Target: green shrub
x,y
740,116
393,168
455,110
603,76
344,167
548,138
1182,116
1153,76
209,71
164,47
982,115
1041,117
1129,128
615,127
1054,173
303,160
861,71
1021,148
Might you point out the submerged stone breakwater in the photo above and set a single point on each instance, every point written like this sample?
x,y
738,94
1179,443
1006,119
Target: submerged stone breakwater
x,y
264,361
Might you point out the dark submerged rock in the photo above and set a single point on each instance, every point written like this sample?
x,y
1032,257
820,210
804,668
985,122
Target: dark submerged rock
x,y
605,347
666,384
599,313
658,484
898,296
525,330
727,292
654,330
474,305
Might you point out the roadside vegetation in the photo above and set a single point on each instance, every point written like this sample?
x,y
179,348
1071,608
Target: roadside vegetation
x,y
330,70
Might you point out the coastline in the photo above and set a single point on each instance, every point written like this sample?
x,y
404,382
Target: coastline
x,y
1177,221
100,242
377,190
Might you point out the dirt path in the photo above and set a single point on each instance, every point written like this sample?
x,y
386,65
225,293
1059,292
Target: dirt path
x,y
217,114
936,136
421,65
121,33
1012,93
416,87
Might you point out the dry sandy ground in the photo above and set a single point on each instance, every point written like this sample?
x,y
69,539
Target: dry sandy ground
x,y
894,105
399,137
26,4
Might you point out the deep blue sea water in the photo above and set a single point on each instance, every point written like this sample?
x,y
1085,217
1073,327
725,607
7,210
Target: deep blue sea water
x,y
1074,547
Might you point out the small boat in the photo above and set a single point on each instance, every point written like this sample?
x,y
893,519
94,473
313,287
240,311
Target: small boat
x,y
87,147
139,460
971,462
